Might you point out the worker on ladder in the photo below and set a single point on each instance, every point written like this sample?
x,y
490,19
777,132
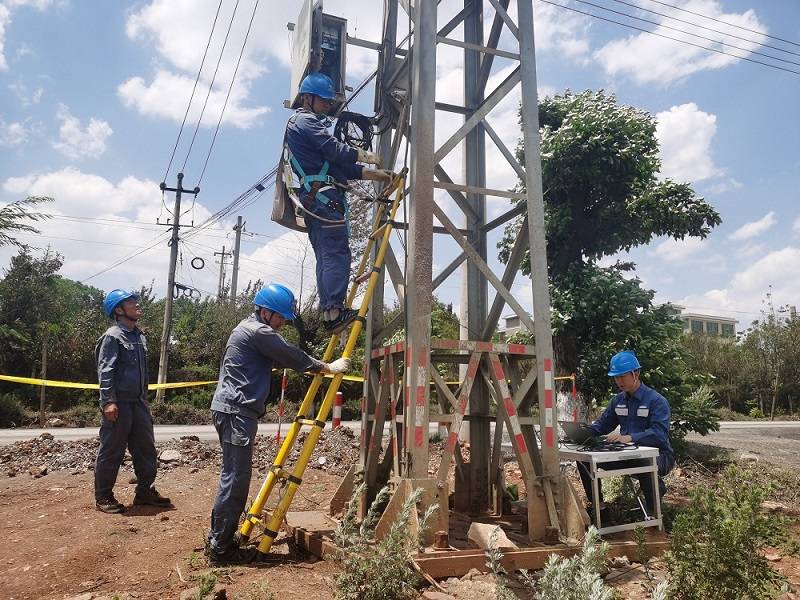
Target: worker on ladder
x,y
324,165
245,377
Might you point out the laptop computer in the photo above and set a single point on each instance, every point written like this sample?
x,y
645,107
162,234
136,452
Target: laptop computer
x,y
576,433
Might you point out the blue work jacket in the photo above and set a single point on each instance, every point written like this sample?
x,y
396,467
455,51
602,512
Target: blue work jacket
x,y
645,416
121,356
311,144
245,373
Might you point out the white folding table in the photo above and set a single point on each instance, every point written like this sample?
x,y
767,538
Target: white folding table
x,y
594,462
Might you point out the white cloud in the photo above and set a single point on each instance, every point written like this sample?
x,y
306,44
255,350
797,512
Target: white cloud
x,y
754,228
649,59
5,19
725,186
25,96
17,134
743,297
684,134
796,226
166,96
78,143
673,251
39,4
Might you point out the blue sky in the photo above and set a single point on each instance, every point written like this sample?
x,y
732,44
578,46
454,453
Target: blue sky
x,y
92,96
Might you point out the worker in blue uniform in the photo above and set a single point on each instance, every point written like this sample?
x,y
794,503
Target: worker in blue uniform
x,y
253,349
126,422
643,417
324,165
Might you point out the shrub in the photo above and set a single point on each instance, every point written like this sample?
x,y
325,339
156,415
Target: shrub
x,y
575,578
179,413
755,413
381,570
578,577
717,543
12,414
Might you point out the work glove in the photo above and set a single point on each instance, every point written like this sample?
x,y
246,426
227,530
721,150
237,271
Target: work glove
x,y
380,175
340,365
370,158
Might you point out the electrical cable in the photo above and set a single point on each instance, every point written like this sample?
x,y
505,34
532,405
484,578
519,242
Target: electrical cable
x,y
191,97
677,29
210,87
725,22
733,35
588,14
230,89
128,257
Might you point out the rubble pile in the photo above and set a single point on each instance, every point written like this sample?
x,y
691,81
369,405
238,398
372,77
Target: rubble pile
x,y
335,452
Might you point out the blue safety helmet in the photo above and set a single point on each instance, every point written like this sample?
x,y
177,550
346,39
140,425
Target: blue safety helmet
x,y
114,298
277,298
318,84
623,362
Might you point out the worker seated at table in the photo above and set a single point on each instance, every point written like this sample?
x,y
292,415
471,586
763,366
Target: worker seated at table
x,y
643,417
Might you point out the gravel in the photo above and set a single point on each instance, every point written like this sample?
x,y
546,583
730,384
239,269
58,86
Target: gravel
x,y
334,453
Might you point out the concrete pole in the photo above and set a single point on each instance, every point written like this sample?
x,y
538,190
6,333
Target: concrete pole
x,y
221,282
235,274
163,359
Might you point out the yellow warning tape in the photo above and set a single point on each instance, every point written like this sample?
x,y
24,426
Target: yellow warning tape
x,y
151,387
159,386
95,386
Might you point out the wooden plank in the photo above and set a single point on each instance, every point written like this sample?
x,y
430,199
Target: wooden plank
x,y
458,563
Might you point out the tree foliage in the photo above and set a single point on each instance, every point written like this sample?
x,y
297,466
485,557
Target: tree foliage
x,y
14,215
602,195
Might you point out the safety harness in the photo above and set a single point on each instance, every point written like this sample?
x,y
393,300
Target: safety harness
x,y
316,185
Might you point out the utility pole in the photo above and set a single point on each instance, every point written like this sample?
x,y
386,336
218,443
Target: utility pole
x,y
163,359
235,276
221,285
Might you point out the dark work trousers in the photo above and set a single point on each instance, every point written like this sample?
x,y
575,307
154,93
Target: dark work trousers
x,y
665,464
236,436
332,252
133,430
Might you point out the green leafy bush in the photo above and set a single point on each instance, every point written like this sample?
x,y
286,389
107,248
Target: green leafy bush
x,y
717,543
377,570
12,414
578,577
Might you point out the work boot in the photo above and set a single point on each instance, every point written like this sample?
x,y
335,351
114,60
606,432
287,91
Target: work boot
x,y
151,497
110,505
340,323
234,555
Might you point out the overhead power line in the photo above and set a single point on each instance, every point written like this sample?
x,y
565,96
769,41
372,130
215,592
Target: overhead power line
x,y
667,37
191,97
697,14
660,14
128,257
210,87
230,88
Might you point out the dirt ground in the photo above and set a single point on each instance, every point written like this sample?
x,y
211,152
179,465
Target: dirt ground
x,y
58,546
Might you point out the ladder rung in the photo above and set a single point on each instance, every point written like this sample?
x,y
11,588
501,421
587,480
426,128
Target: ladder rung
x,y
379,231
310,422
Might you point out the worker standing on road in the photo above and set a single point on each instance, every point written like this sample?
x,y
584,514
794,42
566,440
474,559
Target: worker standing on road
x,y
643,416
324,165
253,349
121,355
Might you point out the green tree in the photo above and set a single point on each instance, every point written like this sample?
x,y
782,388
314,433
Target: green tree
x,y
600,170
13,215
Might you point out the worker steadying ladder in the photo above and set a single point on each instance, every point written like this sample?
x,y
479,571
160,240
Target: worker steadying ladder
x,y
324,165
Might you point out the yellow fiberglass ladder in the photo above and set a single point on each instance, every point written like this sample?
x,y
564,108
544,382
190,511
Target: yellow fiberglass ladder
x,y
271,523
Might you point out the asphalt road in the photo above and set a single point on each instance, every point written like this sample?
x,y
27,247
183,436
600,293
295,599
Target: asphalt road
x,y
758,437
